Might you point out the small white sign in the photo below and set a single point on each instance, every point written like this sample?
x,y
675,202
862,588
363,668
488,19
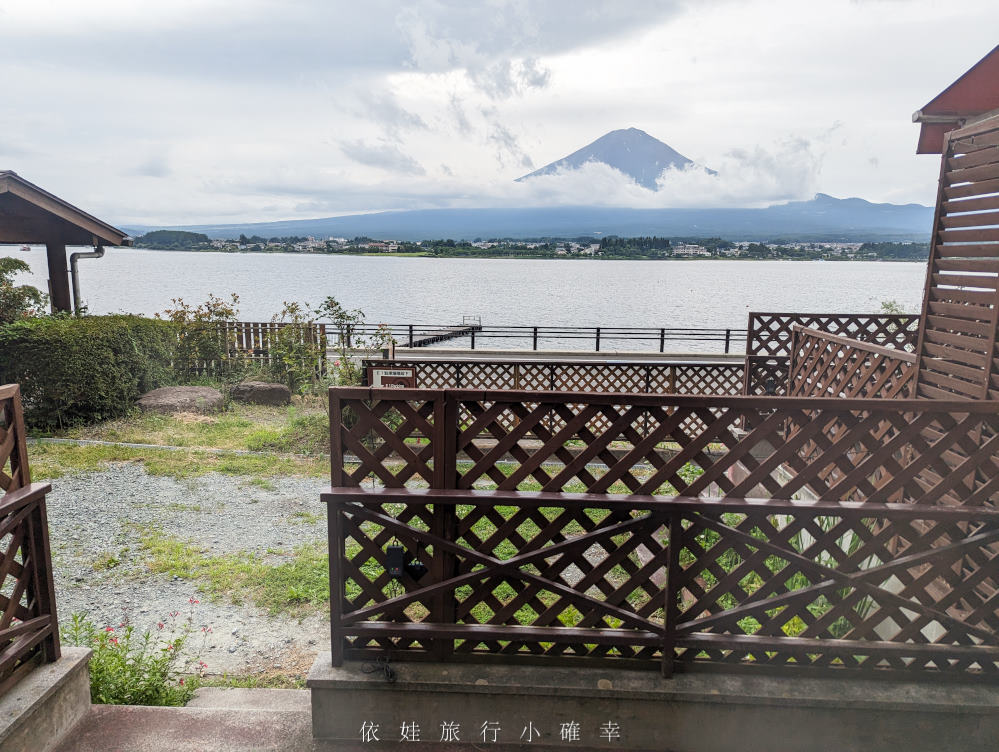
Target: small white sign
x,y
400,378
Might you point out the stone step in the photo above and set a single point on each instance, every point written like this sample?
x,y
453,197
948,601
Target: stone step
x,y
147,729
238,698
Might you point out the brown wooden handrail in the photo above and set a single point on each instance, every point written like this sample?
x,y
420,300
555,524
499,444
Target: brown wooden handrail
x,y
29,629
890,352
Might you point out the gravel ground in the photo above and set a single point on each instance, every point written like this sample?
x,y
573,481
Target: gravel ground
x,y
93,515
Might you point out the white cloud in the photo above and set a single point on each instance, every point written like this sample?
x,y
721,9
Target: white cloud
x,y
383,156
196,111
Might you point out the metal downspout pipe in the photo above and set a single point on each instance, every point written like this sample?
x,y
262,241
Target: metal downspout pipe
x,y
75,273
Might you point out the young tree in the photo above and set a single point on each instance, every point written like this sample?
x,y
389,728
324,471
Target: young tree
x,y
18,301
347,322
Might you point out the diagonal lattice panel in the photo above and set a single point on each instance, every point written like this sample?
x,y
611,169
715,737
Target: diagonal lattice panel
x,y
580,570
829,578
28,627
825,365
670,530
379,430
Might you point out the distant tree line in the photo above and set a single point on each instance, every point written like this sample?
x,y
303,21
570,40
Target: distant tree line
x,y
641,246
902,251
171,240
258,240
612,247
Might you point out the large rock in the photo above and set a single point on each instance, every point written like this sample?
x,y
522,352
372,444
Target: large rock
x,y
181,399
262,393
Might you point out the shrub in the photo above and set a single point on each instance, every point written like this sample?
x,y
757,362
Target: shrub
x,y
75,370
296,351
345,370
17,301
206,339
128,668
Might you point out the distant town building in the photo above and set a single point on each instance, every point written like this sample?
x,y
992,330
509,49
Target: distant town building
x,y
688,249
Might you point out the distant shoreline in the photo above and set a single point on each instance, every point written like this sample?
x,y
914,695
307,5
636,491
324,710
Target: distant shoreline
x,y
512,257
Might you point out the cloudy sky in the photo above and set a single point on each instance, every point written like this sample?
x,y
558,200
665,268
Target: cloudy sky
x,y
188,111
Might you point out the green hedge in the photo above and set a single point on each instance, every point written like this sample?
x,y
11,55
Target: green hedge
x,y
80,370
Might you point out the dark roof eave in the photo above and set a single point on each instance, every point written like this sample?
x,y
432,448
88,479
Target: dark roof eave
x,y
932,108
104,233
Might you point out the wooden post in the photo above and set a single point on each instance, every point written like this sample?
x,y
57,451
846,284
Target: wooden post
x,y
334,523
58,277
444,522
337,475
671,609
648,390
598,339
535,346
728,338
662,340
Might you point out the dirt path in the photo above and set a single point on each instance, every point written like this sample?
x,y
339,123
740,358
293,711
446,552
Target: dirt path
x,y
97,525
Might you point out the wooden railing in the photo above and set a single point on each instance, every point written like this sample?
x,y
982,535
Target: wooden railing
x,y
252,342
688,546
769,335
826,365
553,337
29,630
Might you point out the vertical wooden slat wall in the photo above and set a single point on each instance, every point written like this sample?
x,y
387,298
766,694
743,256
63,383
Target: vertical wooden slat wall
x,y
958,351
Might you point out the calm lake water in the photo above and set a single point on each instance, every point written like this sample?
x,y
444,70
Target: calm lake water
x,y
502,291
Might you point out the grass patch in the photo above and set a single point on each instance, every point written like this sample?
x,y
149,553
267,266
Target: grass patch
x,y
293,586
304,518
50,461
292,429
305,434
105,561
265,483
175,506
272,680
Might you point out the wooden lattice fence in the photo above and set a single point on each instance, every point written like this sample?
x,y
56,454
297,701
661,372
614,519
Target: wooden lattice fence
x,y
29,630
826,365
769,341
685,547
579,376
563,376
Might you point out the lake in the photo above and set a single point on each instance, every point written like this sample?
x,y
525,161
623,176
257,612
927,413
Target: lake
x,y
552,292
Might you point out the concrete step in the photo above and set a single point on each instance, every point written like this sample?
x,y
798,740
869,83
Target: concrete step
x,y
134,728
237,698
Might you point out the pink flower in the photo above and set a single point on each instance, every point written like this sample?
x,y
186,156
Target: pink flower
x,y
169,647
193,600
114,640
109,629
159,625
181,681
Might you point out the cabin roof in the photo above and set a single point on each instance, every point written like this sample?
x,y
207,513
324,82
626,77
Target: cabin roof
x,y
29,214
975,93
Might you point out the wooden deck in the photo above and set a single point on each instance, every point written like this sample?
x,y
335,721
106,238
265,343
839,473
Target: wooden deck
x,y
423,339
